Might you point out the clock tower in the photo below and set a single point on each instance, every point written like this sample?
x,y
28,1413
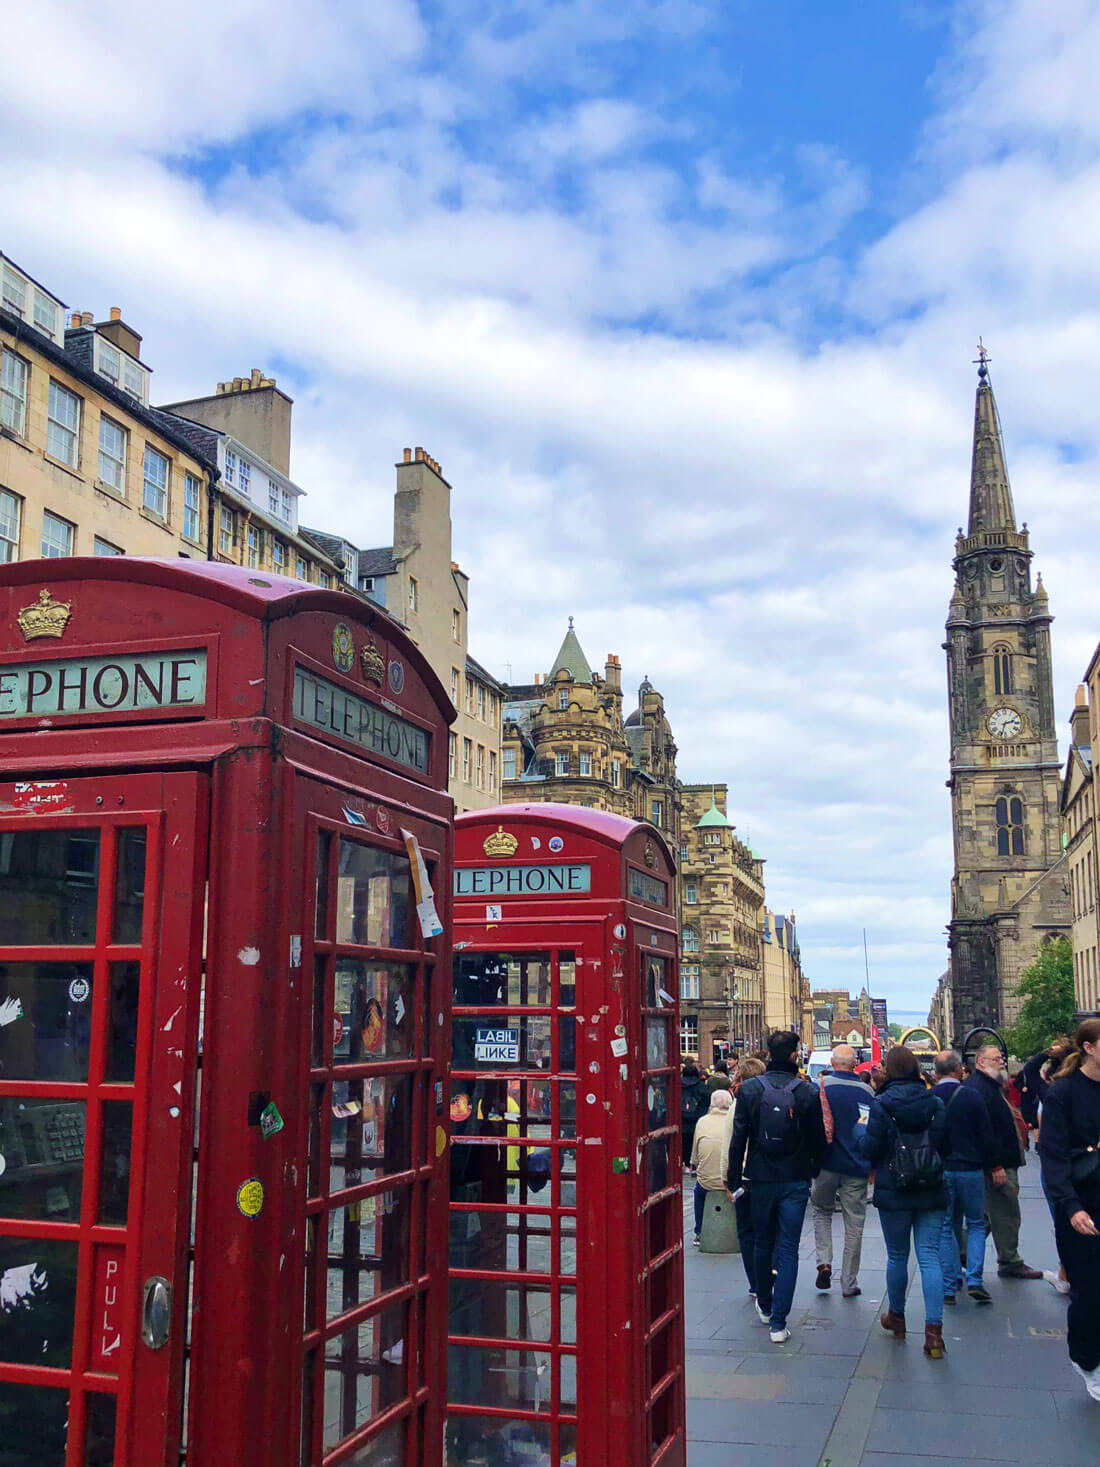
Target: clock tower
x,y
1009,888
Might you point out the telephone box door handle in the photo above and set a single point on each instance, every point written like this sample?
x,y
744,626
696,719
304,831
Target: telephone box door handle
x,y
156,1311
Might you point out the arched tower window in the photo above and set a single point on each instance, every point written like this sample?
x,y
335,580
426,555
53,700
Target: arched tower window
x,y
1009,812
1002,670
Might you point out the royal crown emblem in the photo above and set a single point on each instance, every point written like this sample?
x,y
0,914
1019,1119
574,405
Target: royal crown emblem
x,y
372,663
48,618
500,843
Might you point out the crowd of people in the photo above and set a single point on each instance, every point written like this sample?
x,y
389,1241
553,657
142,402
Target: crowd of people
x,y
938,1157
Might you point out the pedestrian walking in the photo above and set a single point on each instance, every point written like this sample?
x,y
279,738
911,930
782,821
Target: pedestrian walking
x,y
693,1106
968,1155
719,1077
777,1121
709,1153
903,1139
1069,1151
843,1174
1002,1188
747,1069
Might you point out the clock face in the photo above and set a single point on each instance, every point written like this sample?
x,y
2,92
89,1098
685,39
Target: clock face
x,y
1004,723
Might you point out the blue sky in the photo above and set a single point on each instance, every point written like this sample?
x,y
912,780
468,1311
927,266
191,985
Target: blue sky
x,y
683,296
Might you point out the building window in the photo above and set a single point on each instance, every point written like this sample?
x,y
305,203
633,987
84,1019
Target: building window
x,y
469,694
456,625
13,293
467,759
135,380
508,764
481,702
274,500
714,937
191,493
454,685
9,526
112,454
255,541
712,838
244,477
585,763
492,771
689,981
301,570
225,531
230,467
13,392
689,1034
561,763
104,547
481,766
452,754
414,594
1002,670
1009,813
689,940
683,850
57,536
63,425
655,811
154,489
563,699
691,895
616,774
324,579
108,363
45,314
278,556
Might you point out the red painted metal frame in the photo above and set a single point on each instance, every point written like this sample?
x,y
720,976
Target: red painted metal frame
x,y
268,787
630,1347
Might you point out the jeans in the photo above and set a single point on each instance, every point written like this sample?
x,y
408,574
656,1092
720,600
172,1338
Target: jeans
x,y
746,1238
925,1226
852,1192
1003,1206
700,1200
965,1201
778,1210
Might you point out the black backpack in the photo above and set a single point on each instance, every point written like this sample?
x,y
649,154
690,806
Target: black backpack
x,y
916,1164
777,1132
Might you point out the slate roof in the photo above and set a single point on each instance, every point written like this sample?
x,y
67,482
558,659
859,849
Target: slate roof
x,y
479,672
572,659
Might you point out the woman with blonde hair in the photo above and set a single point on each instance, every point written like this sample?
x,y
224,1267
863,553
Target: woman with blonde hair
x,y
1069,1149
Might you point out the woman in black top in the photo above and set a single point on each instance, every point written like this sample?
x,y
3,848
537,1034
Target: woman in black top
x,y
1069,1148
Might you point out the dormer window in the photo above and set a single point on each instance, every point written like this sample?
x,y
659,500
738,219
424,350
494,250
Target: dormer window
x,y
22,298
13,292
108,362
135,380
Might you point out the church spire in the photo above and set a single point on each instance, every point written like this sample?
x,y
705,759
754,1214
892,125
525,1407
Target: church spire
x,y
990,496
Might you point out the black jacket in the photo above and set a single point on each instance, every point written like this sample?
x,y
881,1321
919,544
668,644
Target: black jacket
x,y
1071,1123
1033,1087
969,1145
907,1105
804,1162
693,1091
1006,1139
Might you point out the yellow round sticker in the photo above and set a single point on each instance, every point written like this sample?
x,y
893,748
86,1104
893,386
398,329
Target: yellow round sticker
x,y
250,1197
440,1140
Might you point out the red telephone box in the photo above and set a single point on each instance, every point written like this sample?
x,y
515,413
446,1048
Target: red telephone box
x,y
566,1331
224,1016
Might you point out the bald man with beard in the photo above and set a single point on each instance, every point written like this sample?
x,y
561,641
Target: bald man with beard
x,y
843,1173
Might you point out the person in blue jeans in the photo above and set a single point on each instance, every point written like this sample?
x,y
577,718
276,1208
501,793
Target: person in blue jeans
x,y
777,1122
968,1155
908,1214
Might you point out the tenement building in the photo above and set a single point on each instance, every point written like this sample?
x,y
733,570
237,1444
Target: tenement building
x,y
423,589
1008,893
786,992
722,909
1082,842
565,739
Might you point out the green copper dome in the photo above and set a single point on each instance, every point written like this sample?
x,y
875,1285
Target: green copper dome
x,y
713,817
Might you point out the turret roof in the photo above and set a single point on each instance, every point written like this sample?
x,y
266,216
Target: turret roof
x,y
990,495
571,659
713,817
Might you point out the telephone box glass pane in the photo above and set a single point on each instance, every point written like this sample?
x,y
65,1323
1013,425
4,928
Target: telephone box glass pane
x,y
385,1450
129,884
567,1252
320,925
48,886
42,1142
567,980
365,1372
516,1174
373,896
375,1006
368,1250
114,1161
508,1242
656,982
37,1295
123,1021
49,1035
656,1044
656,1103
657,1158
501,1041
371,1133
32,1424
504,1309
499,980
99,1433
482,1375
485,1439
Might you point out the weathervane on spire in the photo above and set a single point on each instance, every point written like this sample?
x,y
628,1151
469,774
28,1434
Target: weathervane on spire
x,y
570,623
981,361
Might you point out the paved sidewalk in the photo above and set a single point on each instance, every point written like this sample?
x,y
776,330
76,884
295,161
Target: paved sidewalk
x,y
843,1393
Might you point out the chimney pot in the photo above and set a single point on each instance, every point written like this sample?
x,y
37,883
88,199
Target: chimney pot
x,y
86,318
116,313
238,383
419,455
408,455
257,376
75,322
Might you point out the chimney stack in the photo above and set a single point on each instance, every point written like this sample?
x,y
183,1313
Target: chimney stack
x,y
1079,718
613,674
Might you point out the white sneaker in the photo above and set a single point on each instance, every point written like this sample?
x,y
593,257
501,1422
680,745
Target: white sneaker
x,y
780,1336
1091,1379
762,1315
1060,1286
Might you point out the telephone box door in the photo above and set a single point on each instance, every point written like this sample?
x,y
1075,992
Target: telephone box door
x,y
101,910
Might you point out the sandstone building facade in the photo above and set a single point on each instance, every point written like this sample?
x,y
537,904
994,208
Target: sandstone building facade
x,y
1082,842
1009,891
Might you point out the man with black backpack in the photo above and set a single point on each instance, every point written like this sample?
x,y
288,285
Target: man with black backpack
x,y
778,1120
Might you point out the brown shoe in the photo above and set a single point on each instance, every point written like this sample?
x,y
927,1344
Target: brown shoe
x,y
1019,1271
933,1341
824,1276
893,1324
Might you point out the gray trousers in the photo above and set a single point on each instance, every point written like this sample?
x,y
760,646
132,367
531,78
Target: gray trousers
x,y
852,1192
1003,1206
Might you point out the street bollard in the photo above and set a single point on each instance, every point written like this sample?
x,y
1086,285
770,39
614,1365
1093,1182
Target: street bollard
x,y
719,1232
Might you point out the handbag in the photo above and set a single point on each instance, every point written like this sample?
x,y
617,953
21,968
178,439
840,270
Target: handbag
x,y
1084,1168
